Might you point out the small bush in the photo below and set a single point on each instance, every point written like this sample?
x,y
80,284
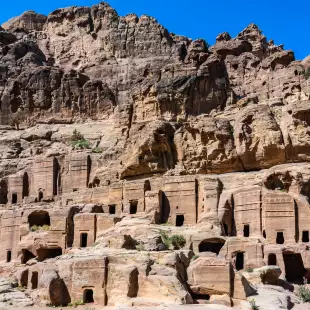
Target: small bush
x,y
249,269
34,228
78,140
307,73
165,238
253,304
38,228
178,241
76,136
304,293
97,150
76,303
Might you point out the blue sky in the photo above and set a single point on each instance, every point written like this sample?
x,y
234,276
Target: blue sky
x,y
284,21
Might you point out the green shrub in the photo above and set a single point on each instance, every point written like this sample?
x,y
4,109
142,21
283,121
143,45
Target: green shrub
x,y
76,303
76,136
253,305
78,140
178,241
249,269
97,150
194,257
34,228
304,293
165,238
38,228
307,73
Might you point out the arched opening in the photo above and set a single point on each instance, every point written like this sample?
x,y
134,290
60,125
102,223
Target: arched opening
x,y
133,208
294,267
83,240
211,245
164,207
246,230
240,261
25,185
280,237
88,296
27,255
39,218
8,256
56,177
59,294
179,220
40,196
14,198
44,253
34,280
3,192
89,163
272,259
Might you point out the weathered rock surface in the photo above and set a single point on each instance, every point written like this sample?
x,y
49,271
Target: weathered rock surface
x,y
142,168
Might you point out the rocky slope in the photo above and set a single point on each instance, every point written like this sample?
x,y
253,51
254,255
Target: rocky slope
x,y
146,104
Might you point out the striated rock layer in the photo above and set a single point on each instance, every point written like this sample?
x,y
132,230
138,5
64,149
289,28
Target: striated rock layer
x,y
140,167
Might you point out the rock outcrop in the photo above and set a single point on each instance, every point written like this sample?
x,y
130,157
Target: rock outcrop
x,y
140,168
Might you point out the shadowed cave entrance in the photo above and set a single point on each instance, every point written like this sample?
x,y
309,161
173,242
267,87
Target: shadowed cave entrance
x,y
39,218
27,255
88,296
294,267
211,245
44,253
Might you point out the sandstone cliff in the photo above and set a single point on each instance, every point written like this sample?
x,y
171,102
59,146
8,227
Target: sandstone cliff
x,y
111,126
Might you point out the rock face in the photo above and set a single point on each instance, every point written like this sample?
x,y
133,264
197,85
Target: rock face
x,y
139,167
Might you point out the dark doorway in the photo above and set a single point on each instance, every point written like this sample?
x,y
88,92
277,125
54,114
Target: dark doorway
x,y
39,218
305,236
24,278
294,267
25,185
164,208
70,226
240,261
44,254
27,255
112,209
272,259
14,198
3,192
133,207
89,163
264,234
83,241
211,245
8,256
34,280
56,177
246,231
88,296
280,237
179,220
40,196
